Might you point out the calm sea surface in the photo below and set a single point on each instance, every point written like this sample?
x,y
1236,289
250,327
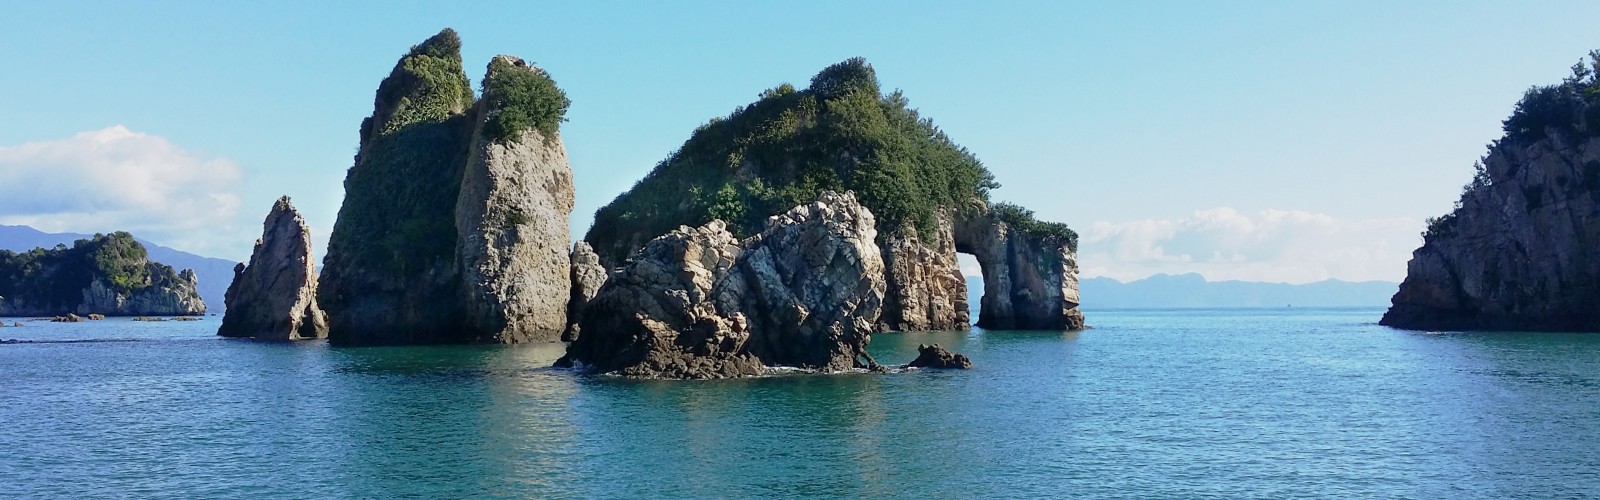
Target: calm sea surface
x,y
1167,403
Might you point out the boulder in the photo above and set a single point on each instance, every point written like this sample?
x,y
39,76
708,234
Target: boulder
x,y
96,317
697,303
69,318
587,277
274,296
935,356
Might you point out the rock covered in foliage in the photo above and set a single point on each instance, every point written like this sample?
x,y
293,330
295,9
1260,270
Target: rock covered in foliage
x,y
698,303
108,274
1030,273
842,133
454,224
274,297
1521,251
587,278
936,356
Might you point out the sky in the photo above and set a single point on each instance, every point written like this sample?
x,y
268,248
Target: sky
x,y
1267,141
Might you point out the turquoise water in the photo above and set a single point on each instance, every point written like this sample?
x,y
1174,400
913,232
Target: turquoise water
x,y
1191,403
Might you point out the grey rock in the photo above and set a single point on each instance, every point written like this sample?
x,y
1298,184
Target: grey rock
x,y
696,303
587,278
1521,251
274,296
1030,282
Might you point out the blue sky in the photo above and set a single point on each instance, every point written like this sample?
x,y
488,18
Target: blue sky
x,y
1280,141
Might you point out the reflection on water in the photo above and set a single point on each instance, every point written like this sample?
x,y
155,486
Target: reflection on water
x,y
1148,404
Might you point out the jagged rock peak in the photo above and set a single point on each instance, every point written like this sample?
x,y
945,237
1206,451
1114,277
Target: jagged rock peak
x,y
697,303
454,225
274,296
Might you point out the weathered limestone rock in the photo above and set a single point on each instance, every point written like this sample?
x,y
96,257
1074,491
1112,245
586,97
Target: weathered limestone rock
x,y
163,296
926,290
511,218
935,356
69,318
454,226
696,303
587,278
1030,281
274,297
1523,250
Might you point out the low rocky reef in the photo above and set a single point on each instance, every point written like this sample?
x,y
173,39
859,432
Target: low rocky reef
x,y
109,274
936,356
274,297
1518,252
698,303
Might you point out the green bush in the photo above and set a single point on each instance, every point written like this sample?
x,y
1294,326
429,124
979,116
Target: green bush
x,y
518,98
780,151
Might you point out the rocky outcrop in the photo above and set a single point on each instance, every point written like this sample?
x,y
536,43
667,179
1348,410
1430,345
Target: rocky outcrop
x,y
697,303
274,296
454,225
926,290
108,274
1522,249
587,278
1030,276
935,356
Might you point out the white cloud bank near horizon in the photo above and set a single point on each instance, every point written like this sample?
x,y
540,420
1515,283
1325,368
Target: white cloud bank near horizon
x,y
1221,243
115,179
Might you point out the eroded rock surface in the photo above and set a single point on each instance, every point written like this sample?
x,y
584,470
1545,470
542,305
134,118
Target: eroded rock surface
x,y
274,297
587,278
936,356
697,303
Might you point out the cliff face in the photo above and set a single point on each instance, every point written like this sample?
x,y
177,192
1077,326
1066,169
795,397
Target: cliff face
x,y
274,296
454,224
108,274
842,133
1520,250
698,303
1030,278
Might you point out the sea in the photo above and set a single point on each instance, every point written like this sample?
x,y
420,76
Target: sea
x,y
1177,403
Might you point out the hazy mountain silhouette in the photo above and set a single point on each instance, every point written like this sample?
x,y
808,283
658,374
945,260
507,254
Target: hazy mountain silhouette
x,y
1192,290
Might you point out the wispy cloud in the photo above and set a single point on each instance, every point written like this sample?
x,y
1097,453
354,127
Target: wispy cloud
x,y
118,179
1272,245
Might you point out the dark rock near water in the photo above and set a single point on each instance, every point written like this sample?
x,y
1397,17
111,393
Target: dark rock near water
x,y
697,303
1521,251
454,224
935,356
69,318
274,297
587,278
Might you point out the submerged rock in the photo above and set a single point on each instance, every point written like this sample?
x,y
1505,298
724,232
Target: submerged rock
x,y
274,296
935,356
697,303
69,318
454,225
1519,252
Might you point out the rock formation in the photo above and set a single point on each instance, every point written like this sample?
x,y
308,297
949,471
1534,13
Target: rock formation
x,y
697,303
274,297
1521,250
454,225
587,278
108,274
930,195
935,356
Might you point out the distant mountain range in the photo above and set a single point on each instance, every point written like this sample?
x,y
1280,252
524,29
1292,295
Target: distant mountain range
x,y
1192,290
214,274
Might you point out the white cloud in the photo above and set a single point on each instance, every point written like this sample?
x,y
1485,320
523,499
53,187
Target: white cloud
x,y
1272,245
118,179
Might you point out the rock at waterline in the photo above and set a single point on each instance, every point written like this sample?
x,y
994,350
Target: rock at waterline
x,y
274,297
697,303
935,356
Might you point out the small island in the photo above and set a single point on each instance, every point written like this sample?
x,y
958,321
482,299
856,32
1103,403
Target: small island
x,y
109,274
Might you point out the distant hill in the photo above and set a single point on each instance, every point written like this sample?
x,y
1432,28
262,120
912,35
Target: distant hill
x,y
214,274
1192,290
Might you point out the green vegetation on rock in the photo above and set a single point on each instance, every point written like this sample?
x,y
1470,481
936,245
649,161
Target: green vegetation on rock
x,y
841,133
1022,219
519,98
56,277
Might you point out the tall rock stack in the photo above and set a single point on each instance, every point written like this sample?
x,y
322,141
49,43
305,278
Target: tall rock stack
x,y
274,296
454,224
